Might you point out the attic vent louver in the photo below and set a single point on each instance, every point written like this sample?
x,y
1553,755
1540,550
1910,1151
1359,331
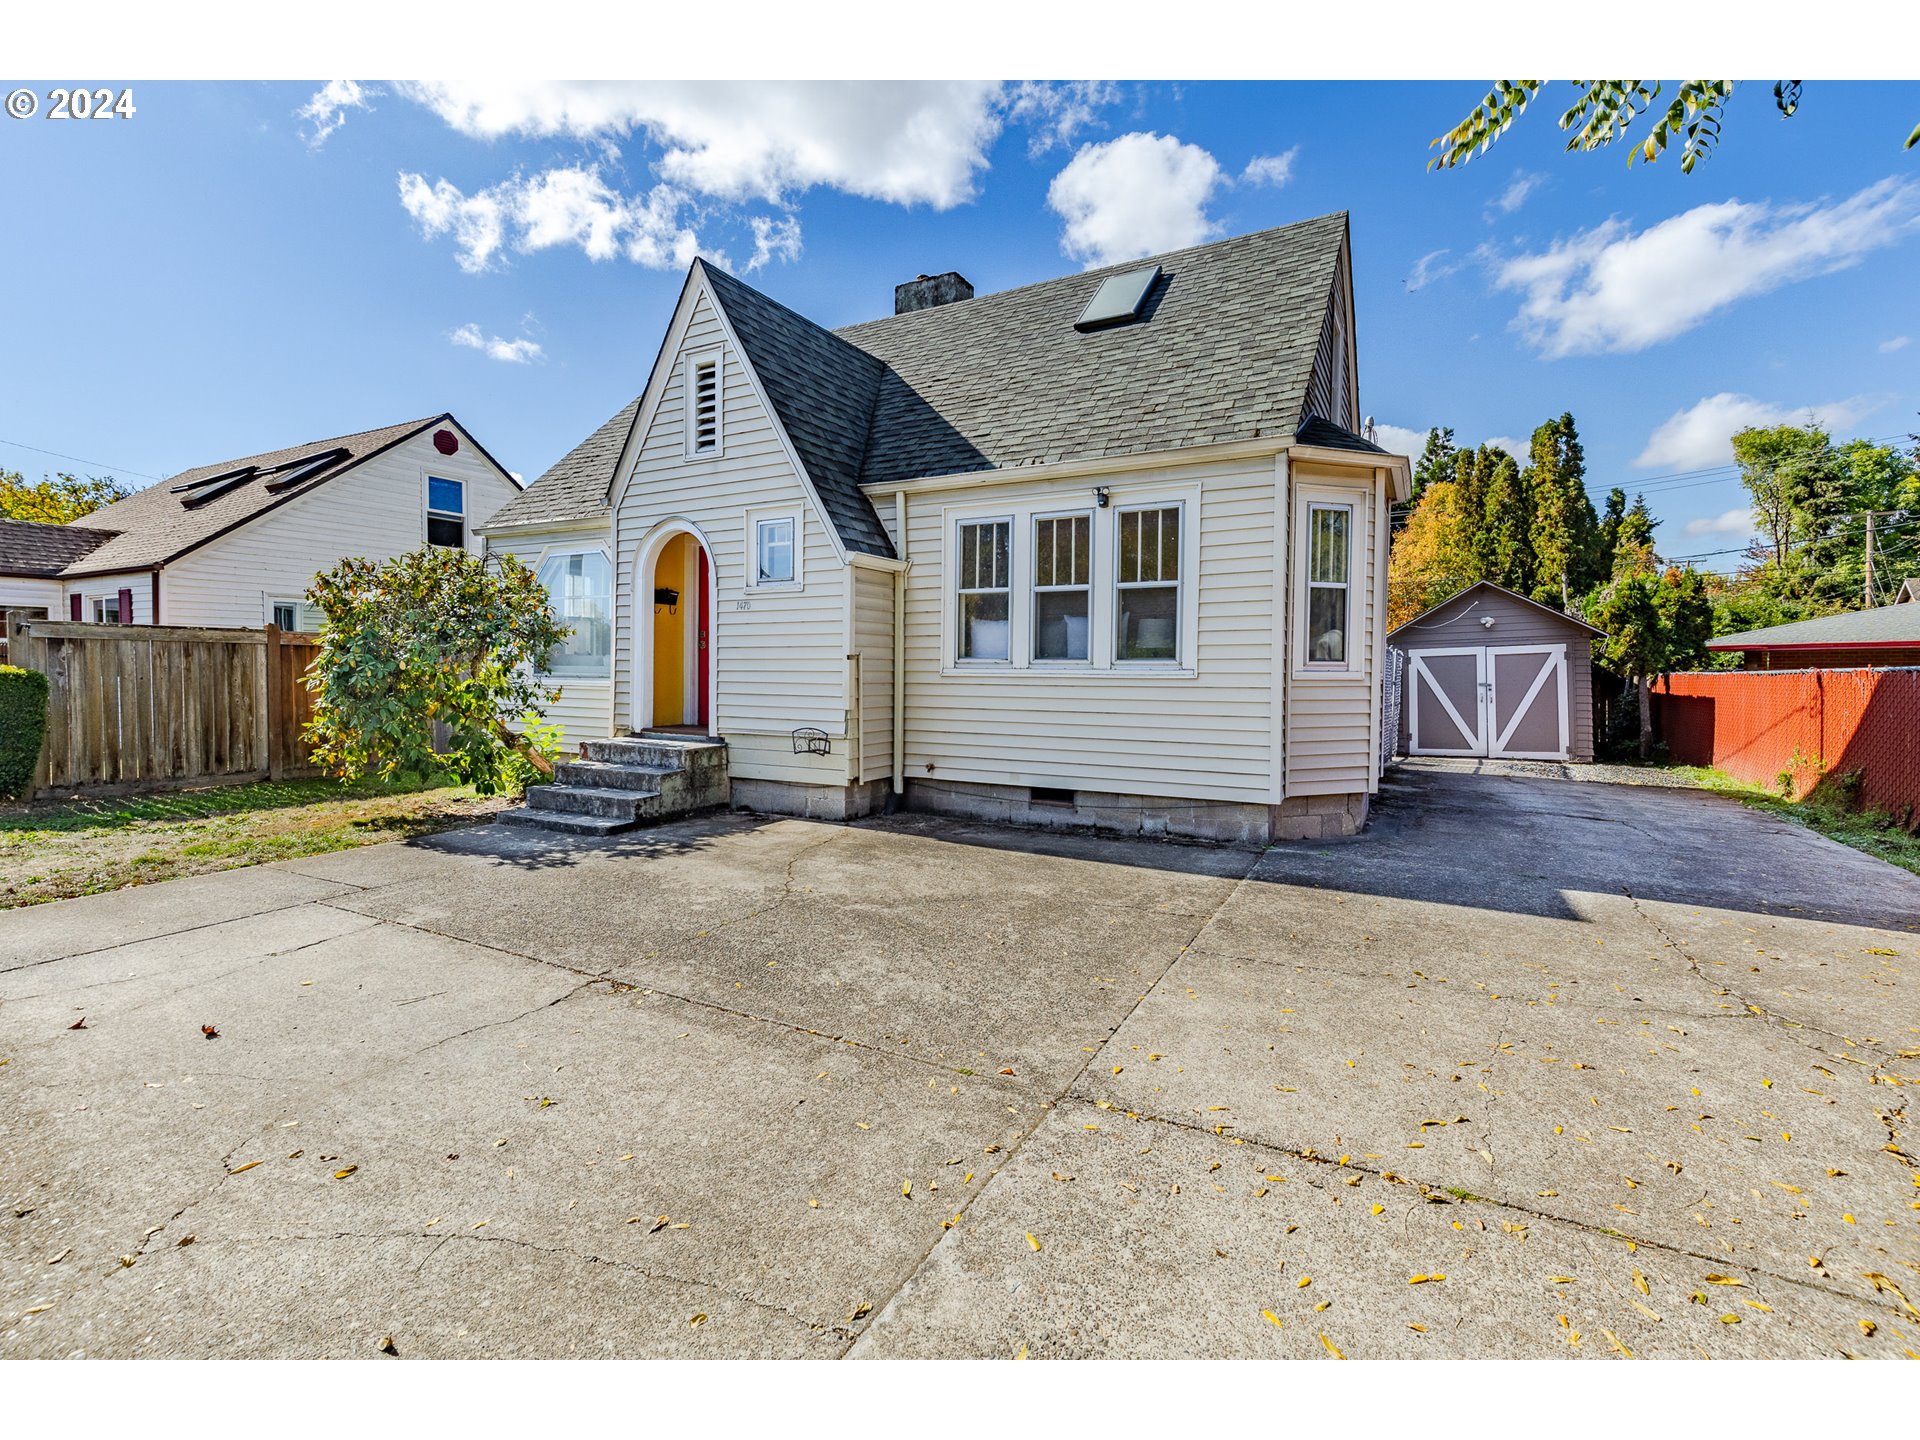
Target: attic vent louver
x,y
1119,299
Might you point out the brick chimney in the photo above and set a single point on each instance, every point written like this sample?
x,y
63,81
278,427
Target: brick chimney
x,y
923,292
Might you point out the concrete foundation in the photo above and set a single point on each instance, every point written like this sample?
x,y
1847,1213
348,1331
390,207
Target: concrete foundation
x,y
1320,817
1222,821
811,802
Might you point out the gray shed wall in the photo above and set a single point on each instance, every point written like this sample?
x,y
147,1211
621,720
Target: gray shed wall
x,y
1515,622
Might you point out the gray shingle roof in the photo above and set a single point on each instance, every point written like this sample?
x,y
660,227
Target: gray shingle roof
x,y
153,526
576,486
30,547
1224,351
1886,625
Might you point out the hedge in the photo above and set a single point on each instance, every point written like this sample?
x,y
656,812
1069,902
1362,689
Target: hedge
x,y
23,725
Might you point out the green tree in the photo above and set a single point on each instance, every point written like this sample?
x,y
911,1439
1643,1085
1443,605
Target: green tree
x,y
1606,110
1432,555
1655,622
1632,552
1436,460
1564,528
1607,539
1503,543
434,636
57,501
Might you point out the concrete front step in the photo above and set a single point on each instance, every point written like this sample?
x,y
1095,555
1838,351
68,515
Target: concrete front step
x,y
627,782
562,821
599,774
612,803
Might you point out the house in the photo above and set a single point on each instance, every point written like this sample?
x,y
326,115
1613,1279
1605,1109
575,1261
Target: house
x,y
1909,592
1855,639
237,543
1490,672
1108,549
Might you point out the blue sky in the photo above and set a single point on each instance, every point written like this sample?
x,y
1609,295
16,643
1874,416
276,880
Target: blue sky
x,y
241,266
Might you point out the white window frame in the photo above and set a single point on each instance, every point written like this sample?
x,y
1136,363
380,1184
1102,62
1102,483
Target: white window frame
x,y
429,514
1035,589
1011,589
753,520
694,362
1073,499
1309,498
275,601
100,604
577,677
1180,600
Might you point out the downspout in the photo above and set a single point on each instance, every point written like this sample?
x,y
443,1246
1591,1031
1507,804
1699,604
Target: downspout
x,y
156,596
899,653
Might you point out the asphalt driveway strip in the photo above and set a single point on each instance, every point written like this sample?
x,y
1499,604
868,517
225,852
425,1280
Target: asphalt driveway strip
x,y
1531,1068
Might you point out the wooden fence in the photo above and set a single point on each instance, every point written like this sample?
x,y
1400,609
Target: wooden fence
x,y
154,707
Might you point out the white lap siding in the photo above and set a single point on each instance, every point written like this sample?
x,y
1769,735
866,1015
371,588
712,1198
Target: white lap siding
x,y
584,710
1331,718
375,511
1204,735
780,654
873,644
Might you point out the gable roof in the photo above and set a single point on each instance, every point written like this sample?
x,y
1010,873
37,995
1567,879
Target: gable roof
x,y
1885,625
1909,592
576,486
1224,350
38,548
154,525
1489,587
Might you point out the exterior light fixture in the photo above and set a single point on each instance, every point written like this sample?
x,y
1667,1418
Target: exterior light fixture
x,y
1100,496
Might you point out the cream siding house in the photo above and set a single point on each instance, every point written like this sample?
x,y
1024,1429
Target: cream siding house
x,y
237,543
1108,550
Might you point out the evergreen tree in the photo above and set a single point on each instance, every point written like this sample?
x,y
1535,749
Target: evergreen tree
x,y
1564,526
1503,544
1633,540
1608,539
1436,461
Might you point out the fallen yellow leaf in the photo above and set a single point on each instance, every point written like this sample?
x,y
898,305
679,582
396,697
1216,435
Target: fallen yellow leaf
x,y
1332,1349
1033,1242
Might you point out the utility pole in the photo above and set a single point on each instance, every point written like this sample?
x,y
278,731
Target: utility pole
x,y
1870,595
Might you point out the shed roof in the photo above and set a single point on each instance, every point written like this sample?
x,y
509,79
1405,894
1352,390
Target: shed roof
x,y
1886,625
1488,588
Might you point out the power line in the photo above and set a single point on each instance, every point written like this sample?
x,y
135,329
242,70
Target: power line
x,y
80,459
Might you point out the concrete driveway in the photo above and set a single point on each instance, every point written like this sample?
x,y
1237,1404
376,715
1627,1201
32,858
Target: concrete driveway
x,y
1531,1068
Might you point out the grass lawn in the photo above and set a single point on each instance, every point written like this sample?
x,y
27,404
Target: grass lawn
x,y
51,851
1874,833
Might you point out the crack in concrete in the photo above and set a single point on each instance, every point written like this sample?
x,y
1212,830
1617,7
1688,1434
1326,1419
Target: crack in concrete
x,y
1433,1194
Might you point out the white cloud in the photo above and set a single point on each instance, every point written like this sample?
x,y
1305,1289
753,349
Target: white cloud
x,y
1898,342
570,206
1734,524
495,347
1135,195
326,112
1273,170
905,142
1057,113
1701,435
1611,289
1523,184
774,239
1519,449
1400,440
1430,267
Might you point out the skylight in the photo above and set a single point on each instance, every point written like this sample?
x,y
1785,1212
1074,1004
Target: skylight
x,y
1119,299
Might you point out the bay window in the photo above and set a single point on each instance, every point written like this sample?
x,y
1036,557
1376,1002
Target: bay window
x,y
579,587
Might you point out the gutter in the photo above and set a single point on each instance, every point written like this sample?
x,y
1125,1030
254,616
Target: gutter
x,y
900,647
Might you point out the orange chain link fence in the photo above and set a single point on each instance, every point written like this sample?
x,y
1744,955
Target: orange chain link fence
x,y
1796,730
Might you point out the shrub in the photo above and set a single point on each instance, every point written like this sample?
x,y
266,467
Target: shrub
x,y
543,738
23,726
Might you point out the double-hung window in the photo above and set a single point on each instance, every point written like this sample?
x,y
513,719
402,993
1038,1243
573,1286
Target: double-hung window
x,y
446,513
1147,585
1329,586
773,551
579,586
106,610
985,590
1062,586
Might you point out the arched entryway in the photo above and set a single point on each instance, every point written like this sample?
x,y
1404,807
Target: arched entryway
x,y
673,649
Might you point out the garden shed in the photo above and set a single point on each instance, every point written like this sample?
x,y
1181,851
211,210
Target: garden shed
x,y
1492,673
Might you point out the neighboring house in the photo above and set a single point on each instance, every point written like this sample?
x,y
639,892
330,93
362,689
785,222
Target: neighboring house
x,y
1490,672
1909,592
1857,639
239,542
1107,549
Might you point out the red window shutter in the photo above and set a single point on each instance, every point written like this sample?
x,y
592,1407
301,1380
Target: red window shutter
x,y
73,606
126,605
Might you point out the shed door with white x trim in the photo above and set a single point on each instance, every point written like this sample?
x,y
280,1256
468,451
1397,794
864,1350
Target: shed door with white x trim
x,y
1503,701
